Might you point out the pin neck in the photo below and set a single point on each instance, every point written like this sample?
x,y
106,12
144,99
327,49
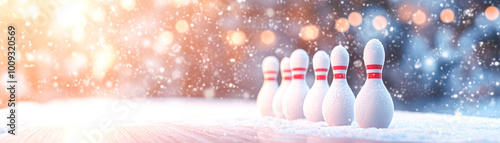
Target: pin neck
x,y
374,71
298,76
321,77
339,67
270,75
299,69
298,73
339,76
270,79
374,67
286,78
321,73
286,75
321,70
339,72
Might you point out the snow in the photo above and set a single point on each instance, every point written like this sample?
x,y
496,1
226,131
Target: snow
x,y
222,120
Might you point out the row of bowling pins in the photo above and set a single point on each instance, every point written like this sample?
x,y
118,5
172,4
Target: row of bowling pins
x,y
335,104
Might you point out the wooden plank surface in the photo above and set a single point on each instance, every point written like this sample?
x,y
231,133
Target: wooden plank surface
x,y
161,132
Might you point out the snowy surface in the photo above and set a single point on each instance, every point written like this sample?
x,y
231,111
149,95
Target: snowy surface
x,y
228,120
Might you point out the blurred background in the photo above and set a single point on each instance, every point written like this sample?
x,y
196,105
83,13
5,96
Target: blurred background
x,y
442,56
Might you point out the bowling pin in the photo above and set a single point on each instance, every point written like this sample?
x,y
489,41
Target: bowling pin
x,y
338,105
373,106
314,99
286,77
265,98
295,94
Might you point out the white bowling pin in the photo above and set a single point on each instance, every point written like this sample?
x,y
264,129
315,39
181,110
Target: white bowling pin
x,y
374,106
293,99
286,77
338,105
314,99
265,98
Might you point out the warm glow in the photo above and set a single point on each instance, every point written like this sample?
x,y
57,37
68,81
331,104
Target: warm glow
x,y
379,22
165,38
491,13
419,17
161,43
71,15
182,26
342,25
447,15
309,32
405,11
78,34
102,60
181,2
355,18
237,38
98,15
76,63
128,4
267,37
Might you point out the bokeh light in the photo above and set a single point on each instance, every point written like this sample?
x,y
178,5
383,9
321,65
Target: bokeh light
x,y
447,15
405,11
165,38
379,22
342,25
181,2
78,34
71,15
128,4
267,37
491,13
76,63
355,19
419,17
309,32
102,60
98,15
237,38
182,26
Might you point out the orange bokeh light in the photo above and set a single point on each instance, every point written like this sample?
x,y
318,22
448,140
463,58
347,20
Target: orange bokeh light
x,y
182,26
342,25
237,38
447,15
267,37
309,32
405,11
166,38
128,4
355,18
491,13
419,17
379,22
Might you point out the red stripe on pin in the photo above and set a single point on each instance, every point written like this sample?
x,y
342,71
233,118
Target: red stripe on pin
x,y
339,67
299,69
321,77
339,76
374,75
321,70
298,76
270,78
287,78
373,67
270,72
288,70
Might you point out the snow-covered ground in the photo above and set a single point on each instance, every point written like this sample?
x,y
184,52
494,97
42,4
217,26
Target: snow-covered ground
x,y
228,120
